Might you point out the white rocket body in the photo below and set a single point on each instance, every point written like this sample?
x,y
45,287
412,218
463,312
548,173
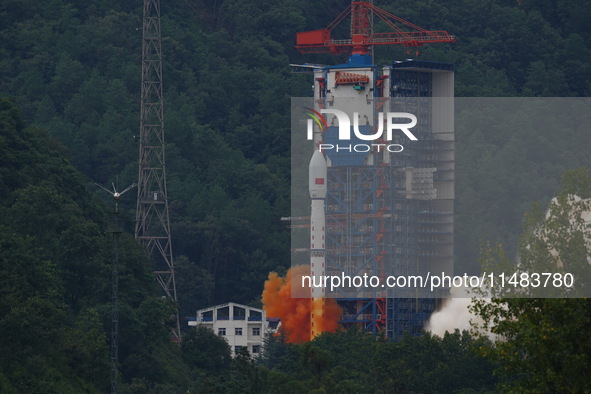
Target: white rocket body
x,y
317,187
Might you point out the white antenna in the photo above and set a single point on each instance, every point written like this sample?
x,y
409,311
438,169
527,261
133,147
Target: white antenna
x,y
116,231
116,195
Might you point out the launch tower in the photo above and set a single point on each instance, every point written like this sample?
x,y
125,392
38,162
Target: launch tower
x,y
386,213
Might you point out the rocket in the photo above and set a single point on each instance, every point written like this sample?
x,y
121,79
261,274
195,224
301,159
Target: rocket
x,y
317,187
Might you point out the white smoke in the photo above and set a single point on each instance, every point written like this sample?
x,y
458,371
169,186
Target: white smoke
x,y
454,314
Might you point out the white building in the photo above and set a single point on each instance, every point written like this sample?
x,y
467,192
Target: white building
x,y
241,325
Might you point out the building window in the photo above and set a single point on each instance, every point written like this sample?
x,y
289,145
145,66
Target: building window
x,y
237,349
256,349
238,331
256,331
221,331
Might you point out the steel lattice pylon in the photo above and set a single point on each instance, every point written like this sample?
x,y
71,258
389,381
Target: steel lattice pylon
x,y
152,218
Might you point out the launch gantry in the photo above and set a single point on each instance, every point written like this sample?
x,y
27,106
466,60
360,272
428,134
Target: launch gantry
x,y
386,213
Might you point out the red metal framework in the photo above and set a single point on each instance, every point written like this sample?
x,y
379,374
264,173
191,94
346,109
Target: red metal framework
x,y
362,35
345,78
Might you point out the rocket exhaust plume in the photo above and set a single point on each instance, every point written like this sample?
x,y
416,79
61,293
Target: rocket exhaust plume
x,y
295,313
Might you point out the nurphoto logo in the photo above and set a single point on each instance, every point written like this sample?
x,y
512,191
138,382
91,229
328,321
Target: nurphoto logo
x,y
344,133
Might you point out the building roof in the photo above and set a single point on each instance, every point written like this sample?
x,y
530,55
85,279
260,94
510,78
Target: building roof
x,y
415,64
230,304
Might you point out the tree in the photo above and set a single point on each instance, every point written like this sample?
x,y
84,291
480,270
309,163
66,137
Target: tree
x,y
206,351
540,345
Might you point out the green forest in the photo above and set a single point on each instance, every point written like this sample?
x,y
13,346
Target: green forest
x,y
69,117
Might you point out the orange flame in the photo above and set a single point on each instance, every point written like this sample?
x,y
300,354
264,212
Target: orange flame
x,y
295,312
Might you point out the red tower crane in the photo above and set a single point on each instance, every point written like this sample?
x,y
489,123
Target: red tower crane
x,y
362,35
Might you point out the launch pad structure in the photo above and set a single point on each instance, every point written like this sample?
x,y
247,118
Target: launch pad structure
x,y
386,213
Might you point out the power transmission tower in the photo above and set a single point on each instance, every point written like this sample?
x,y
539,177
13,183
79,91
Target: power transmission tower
x,y
152,219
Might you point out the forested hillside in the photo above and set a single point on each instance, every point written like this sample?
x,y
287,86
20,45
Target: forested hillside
x,y
72,70
55,270
73,67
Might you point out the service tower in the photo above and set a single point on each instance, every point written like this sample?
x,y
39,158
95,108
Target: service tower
x,y
387,211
